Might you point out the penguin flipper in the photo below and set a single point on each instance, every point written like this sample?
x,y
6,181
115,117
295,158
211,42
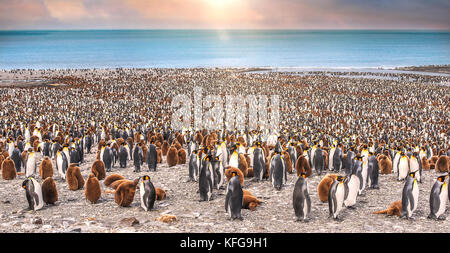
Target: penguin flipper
x,y
227,200
35,198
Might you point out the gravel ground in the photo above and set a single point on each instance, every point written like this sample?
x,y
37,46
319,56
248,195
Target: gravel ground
x,y
72,213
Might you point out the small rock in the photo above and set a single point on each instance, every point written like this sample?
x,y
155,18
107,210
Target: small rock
x,y
129,221
47,227
6,202
37,221
76,230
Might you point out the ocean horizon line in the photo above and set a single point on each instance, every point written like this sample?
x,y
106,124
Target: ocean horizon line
x,y
229,29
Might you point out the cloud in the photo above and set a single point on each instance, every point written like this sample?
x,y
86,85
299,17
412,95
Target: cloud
x,y
233,14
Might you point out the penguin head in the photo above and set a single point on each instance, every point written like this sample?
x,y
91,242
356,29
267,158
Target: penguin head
x,y
24,184
412,174
303,175
145,178
340,179
233,174
442,178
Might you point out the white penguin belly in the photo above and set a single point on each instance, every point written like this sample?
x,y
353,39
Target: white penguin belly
x,y
59,163
414,166
141,193
340,191
395,163
330,159
403,169
31,165
415,193
305,209
353,188
364,172
234,162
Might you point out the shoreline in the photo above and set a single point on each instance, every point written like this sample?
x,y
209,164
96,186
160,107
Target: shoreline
x,y
426,69
31,78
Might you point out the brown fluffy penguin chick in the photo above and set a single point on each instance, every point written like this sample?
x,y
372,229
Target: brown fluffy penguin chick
x,y
302,165
246,192
394,209
441,164
385,165
92,191
158,155
124,194
160,194
116,184
324,186
73,178
250,172
144,151
288,160
243,166
46,168
198,137
8,169
49,191
172,156
229,171
247,159
425,163
165,148
182,156
433,161
5,154
180,139
112,178
2,158
177,145
250,202
98,169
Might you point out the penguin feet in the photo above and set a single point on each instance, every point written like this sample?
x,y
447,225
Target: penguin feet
x,y
375,187
442,217
302,219
351,207
338,218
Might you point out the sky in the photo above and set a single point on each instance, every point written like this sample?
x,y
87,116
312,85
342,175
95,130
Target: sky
x,y
224,14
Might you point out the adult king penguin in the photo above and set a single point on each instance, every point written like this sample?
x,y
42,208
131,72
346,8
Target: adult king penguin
x,y
301,199
123,155
33,193
338,193
147,193
234,198
410,196
30,163
61,163
152,157
438,198
278,173
206,179
403,166
194,165
258,161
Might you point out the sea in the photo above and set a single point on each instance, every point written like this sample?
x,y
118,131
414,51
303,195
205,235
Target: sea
x,y
341,49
